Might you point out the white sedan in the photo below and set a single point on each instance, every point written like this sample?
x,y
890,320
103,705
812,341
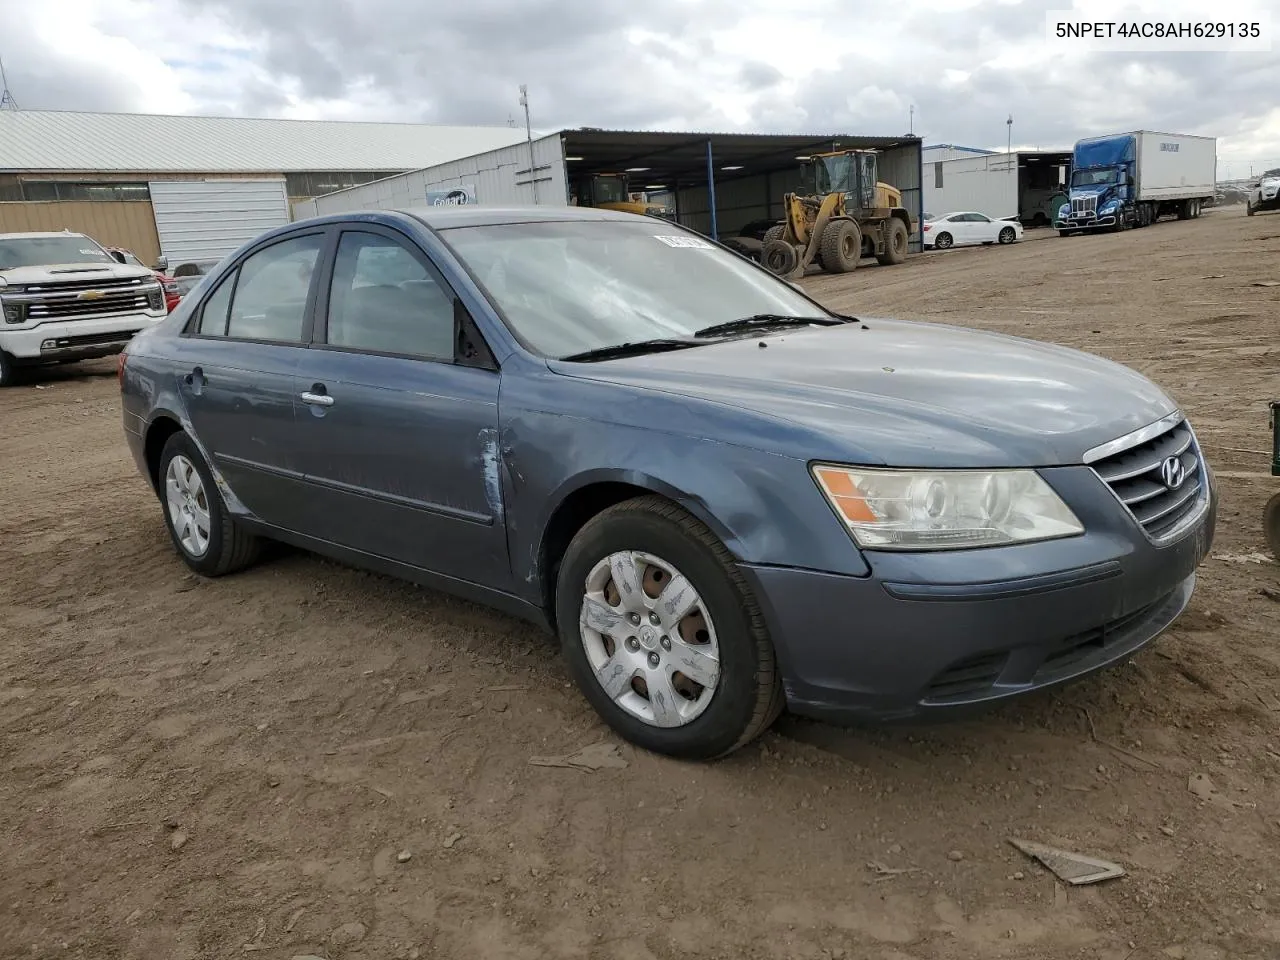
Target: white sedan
x,y
969,227
1264,195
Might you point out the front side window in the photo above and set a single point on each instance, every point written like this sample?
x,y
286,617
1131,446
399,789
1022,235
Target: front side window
x,y
570,286
387,300
270,298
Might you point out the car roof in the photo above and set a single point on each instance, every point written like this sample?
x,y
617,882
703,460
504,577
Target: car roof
x,y
443,217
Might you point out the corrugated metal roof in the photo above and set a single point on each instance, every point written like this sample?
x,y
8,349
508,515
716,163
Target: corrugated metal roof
x,y
33,140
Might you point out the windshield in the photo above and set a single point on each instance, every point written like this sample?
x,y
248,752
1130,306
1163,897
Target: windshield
x,y
1093,178
833,174
569,287
48,251
609,190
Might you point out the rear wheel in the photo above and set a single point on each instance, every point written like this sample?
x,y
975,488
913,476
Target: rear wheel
x,y
895,243
943,241
1271,524
779,257
1007,235
1248,208
206,536
841,246
662,633
6,369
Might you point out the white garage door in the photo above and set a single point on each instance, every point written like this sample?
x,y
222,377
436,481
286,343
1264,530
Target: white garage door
x,y
208,219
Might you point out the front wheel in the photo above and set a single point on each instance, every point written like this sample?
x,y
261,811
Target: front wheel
x,y
663,635
206,536
1248,208
1007,235
943,241
6,370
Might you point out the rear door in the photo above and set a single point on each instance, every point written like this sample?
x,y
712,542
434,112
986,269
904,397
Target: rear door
x,y
398,437
237,368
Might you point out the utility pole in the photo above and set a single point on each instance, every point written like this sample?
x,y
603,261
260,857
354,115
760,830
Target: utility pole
x,y
1008,148
911,122
6,98
528,132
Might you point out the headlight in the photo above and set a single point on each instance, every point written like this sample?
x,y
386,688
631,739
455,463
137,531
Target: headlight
x,y
944,509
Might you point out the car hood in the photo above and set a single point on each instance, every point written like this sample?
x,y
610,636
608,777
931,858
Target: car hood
x,y
907,393
56,272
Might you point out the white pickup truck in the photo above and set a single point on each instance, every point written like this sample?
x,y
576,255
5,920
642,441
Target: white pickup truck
x,y
64,298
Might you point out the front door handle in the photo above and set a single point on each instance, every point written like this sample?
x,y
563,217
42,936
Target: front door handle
x,y
317,399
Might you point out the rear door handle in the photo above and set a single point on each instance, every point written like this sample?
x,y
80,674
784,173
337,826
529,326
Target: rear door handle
x,y
317,399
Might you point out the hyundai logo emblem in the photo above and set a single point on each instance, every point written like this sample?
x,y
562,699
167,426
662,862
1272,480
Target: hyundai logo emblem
x,y
1172,473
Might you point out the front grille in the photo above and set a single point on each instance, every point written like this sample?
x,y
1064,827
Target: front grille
x,y
82,299
1081,646
1084,206
1146,481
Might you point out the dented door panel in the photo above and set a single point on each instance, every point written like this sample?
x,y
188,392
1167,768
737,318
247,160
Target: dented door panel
x,y
403,461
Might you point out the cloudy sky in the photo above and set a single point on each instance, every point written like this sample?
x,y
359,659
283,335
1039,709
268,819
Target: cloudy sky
x,y
965,66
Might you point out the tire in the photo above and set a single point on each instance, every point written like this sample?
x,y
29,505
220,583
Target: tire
x,y
774,233
895,244
779,257
1007,235
747,694
943,241
1184,210
229,547
1271,524
7,368
1249,208
1039,220
840,247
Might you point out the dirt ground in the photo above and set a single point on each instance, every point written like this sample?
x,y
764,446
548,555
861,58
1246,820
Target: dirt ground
x,y
236,768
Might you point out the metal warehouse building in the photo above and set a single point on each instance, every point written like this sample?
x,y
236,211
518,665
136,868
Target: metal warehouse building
x,y
1023,183
713,182
198,187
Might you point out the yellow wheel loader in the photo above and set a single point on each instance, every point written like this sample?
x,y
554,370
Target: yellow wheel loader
x,y
848,214
610,191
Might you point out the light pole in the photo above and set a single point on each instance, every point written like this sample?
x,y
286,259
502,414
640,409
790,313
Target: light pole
x,y
528,132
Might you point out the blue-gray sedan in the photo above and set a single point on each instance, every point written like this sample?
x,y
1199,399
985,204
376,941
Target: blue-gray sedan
x,y
723,498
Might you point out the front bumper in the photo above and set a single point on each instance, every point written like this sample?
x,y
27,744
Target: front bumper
x,y
1086,223
932,634
73,339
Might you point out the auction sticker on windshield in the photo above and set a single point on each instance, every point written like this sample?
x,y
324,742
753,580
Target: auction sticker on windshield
x,y
695,242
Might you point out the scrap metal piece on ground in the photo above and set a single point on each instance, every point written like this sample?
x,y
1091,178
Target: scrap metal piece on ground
x,y
1074,868
589,758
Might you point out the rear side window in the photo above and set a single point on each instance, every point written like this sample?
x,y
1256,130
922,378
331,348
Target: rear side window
x,y
270,298
213,318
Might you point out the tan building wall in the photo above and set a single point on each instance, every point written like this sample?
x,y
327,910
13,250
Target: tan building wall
x,y
130,224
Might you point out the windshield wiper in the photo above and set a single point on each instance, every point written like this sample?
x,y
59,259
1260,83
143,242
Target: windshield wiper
x,y
631,349
766,320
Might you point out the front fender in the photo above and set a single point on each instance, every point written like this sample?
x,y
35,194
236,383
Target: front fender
x,y
765,508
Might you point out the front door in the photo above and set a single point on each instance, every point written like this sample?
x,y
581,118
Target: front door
x,y
237,368
398,442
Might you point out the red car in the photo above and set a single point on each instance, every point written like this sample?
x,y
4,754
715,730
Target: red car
x,y
172,289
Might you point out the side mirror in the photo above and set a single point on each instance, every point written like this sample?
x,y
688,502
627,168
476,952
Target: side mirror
x,y
162,264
